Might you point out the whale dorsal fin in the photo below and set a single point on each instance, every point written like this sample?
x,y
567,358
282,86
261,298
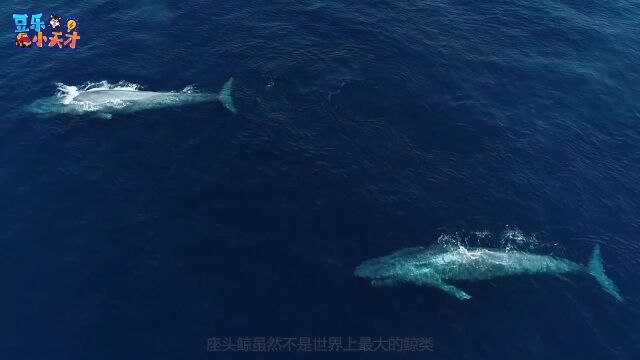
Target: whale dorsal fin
x,y
453,291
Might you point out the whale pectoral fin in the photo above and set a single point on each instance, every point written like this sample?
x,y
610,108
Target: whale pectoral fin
x,y
453,291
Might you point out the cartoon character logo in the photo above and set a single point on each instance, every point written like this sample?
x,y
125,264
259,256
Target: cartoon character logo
x,y
54,21
23,41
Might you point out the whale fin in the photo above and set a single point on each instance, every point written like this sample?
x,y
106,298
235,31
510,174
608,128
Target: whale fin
x,y
454,291
596,269
225,95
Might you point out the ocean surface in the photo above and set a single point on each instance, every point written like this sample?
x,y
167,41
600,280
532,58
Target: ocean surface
x,y
362,127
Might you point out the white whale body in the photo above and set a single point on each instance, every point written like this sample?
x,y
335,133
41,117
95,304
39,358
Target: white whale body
x,y
438,267
105,99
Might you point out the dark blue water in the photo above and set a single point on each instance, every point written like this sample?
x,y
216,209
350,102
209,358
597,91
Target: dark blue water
x,y
362,128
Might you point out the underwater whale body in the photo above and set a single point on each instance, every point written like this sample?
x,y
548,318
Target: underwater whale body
x,y
104,99
439,266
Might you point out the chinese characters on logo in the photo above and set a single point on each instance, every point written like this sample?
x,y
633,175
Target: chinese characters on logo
x,y
319,344
56,32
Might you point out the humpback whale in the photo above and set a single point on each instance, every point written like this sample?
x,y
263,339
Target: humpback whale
x,y
105,100
438,266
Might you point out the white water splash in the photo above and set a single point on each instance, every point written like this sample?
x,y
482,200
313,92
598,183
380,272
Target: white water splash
x,y
513,238
510,239
189,89
105,85
67,93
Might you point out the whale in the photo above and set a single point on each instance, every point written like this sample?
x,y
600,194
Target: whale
x,y
439,267
103,101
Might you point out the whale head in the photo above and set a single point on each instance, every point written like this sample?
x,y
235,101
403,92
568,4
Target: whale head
x,y
394,268
47,107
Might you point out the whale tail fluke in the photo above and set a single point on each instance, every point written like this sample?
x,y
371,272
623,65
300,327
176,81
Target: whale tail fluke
x,y
596,269
225,95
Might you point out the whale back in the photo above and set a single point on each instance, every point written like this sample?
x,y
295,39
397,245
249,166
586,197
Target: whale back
x,y
436,264
102,96
482,264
